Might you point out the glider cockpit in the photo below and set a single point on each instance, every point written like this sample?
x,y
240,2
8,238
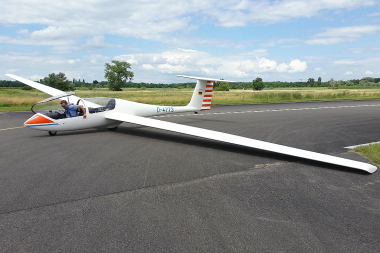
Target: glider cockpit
x,y
50,106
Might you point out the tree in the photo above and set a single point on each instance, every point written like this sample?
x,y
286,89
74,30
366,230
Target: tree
x,y
222,86
310,82
58,81
319,82
258,84
117,74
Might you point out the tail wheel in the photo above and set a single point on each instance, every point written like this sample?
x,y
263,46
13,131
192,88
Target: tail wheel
x,y
52,133
195,112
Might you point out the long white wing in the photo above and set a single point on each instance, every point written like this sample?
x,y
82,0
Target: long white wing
x,y
44,88
49,90
243,141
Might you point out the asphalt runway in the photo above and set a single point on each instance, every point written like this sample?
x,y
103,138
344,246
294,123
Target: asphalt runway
x,y
144,190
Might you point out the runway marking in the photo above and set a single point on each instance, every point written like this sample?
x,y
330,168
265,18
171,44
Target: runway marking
x,y
11,128
360,145
272,110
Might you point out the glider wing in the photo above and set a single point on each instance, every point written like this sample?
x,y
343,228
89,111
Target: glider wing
x,y
242,141
49,90
44,88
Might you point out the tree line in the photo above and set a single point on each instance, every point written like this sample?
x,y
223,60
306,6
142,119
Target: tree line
x,y
119,75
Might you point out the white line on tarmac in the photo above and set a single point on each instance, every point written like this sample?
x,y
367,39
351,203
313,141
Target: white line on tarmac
x,y
274,110
360,145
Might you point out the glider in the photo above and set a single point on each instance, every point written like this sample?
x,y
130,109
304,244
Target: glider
x,y
111,112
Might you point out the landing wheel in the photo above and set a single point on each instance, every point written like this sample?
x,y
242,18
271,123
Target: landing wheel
x,y
52,133
112,129
195,112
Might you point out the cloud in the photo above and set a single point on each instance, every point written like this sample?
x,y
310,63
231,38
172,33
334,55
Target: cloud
x,y
36,77
348,73
241,13
156,20
345,62
96,42
186,61
343,34
368,72
23,31
360,50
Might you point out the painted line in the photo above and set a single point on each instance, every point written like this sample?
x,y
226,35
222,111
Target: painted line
x,y
273,110
11,128
360,145
44,124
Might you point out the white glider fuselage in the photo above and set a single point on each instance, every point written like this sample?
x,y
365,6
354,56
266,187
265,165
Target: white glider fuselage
x,y
96,114
43,122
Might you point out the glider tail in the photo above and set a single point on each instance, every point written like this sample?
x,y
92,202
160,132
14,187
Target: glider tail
x,y
202,95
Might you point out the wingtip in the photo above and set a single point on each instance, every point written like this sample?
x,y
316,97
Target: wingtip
x,y
11,76
371,169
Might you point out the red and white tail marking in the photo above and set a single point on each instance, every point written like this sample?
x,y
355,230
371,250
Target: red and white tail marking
x,y
207,96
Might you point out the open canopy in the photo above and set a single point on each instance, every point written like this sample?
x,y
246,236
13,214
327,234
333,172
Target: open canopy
x,y
65,94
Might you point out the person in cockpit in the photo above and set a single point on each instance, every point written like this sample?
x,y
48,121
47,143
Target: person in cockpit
x,y
71,109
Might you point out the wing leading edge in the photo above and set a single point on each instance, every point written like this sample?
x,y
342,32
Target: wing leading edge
x,y
48,90
44,88
242,141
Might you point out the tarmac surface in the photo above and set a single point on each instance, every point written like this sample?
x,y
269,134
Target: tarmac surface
x,y
144,190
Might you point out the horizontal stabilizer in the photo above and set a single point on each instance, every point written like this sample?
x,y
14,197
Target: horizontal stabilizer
x,y
242,141
206,79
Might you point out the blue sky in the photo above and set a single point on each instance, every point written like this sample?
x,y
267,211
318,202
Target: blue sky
x,y
282,40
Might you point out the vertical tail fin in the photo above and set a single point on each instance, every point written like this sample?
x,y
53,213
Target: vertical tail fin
x,y
202,95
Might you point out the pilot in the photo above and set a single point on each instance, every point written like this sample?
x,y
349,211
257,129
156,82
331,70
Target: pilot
x,y
71,109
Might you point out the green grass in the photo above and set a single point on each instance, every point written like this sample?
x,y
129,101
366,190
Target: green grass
x,y
372,152
18,99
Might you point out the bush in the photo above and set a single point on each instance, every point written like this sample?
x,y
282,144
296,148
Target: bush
x,y
26,87
222,87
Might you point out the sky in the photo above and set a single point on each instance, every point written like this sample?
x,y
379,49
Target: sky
x,y
277,40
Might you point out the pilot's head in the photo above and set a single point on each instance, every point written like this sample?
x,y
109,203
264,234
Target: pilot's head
x,y
64,103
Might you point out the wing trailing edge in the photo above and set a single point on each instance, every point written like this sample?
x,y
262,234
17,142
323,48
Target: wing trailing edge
x,y
242,141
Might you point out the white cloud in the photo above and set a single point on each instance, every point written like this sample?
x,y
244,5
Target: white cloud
x,y
11,71
345,62
368,72
23,31
185,61
155,20
348,73
343,34
240,13
96,42
360,50
284,42
36,77
97,58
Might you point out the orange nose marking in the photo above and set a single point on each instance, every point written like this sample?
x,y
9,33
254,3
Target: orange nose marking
x,y
38,119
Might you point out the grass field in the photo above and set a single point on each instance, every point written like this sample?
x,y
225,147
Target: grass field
x,y
372,152
19,100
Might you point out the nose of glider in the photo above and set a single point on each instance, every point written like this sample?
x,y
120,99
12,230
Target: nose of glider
x,y
38,120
